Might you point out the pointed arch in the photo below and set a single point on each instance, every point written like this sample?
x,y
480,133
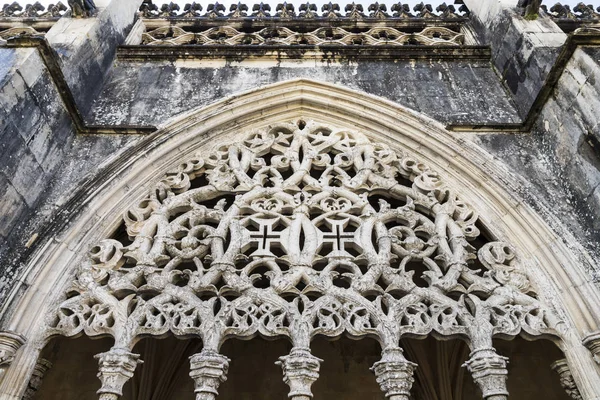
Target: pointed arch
x,y
490,189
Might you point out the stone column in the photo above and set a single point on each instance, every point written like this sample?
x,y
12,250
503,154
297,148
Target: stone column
x,y
208,369
394,374
116,367
10,342
300,371
566,378
489,372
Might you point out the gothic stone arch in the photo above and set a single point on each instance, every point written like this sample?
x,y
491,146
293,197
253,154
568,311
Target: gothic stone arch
x,y
306,218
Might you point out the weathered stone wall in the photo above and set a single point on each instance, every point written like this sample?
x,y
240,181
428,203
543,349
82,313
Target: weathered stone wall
x,y
462,91
42,159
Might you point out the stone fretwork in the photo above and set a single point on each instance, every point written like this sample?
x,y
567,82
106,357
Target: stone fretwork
x,y
41,367
229,36
10,342
394,374
208,369
300,371
489,372
303,229
116,367
566,378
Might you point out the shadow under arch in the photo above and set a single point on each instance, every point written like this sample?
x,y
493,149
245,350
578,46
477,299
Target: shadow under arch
x,y
94,211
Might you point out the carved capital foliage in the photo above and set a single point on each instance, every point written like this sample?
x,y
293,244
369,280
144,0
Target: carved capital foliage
x,y
592,342
208,369
566,378
10,342
303,229
41,367
489,372
300,371
116,367
394,374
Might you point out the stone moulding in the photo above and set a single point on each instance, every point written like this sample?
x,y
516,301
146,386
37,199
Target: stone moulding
x,y
460,165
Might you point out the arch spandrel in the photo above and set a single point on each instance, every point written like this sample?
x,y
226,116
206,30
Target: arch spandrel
x,y
370,269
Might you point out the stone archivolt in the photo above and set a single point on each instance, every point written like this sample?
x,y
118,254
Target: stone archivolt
x,y
297,230
226,35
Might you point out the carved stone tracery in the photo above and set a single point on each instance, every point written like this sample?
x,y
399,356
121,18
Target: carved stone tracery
x,y
298,230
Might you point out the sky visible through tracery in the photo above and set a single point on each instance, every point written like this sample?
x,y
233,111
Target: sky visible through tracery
x,y
319,3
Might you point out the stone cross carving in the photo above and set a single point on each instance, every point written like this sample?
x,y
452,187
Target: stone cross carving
x,y
314,192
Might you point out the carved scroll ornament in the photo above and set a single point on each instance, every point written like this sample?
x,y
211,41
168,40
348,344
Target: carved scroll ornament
x,y
298,230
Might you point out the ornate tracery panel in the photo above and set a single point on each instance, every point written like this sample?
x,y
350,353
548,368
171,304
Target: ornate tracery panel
x,y
298,230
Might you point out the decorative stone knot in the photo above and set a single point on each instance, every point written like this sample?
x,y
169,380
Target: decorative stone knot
x,y
208,369
489,372
394,374
300,371
566,378
116,367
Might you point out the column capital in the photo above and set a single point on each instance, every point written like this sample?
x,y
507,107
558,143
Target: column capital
x,y
10,342
489,372
592,342
116,367
394,373
41,367
566,378
208,369
300,371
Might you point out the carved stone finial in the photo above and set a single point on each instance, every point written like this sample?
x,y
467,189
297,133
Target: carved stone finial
x,y
529,9
300,371
82,8
116,367
592,342
208,369
489,372
40,369
566,378
394,374
10,342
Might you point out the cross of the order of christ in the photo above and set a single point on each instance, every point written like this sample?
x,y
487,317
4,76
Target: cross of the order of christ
x,y
340,238
264,237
